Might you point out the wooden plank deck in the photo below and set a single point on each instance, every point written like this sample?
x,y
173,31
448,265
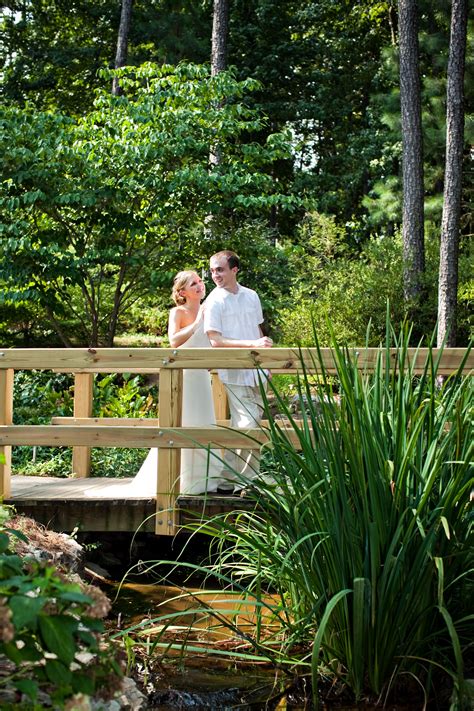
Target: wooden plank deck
x,y
103,504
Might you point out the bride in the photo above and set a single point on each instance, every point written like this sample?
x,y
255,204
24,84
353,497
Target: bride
x,y
200,468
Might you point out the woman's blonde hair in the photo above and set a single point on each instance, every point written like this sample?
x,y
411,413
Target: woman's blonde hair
x,y
179,282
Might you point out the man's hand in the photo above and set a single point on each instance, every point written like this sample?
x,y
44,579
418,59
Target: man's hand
x,y
264,342
219,341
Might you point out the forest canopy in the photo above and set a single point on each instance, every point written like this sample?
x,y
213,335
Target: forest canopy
x,y
105,195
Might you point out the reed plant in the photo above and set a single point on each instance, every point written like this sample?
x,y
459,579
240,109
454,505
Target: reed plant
x,y
362,535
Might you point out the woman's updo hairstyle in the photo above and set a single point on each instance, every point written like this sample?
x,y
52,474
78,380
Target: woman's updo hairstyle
x,y
179,283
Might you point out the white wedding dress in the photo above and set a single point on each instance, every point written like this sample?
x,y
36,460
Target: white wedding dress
x,y
200,468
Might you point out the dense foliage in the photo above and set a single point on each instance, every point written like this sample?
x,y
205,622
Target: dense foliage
x,y
103,203
339,290
39,396
111,204
51,627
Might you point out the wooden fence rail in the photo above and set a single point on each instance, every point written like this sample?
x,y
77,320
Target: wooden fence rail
x,y
83,432
152,360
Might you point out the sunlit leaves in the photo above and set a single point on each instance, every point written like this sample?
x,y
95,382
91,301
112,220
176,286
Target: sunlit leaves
x,y
94,203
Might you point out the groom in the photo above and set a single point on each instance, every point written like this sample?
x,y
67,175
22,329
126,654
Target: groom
x,y
232,319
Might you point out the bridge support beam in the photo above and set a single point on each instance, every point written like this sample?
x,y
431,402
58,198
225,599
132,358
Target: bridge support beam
x,y
83,401
169,460
6,418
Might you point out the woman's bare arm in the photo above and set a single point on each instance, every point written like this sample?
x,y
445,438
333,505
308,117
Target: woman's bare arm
x,y
179,333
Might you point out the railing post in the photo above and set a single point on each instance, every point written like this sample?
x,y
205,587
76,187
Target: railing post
x,y
6,418
83,394
169,459
219,395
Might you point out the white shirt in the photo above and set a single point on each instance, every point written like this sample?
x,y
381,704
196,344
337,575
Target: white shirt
x,y
237,316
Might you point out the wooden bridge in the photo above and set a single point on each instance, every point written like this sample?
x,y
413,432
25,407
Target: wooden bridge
x,y
104,504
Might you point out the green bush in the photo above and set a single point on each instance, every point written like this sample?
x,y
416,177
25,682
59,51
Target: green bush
x,y
47,621
148,316
37,397
124,396
365,533
343,291
40,395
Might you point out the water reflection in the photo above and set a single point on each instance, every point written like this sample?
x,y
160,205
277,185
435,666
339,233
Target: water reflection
x,y
163,617
206,617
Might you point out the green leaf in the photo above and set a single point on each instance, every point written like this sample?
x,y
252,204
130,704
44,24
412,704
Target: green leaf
x,y
82,684
17,534
57,672
30,652
72,596
4,542
93,624
88,639
25,610
57,633
28,687
12,652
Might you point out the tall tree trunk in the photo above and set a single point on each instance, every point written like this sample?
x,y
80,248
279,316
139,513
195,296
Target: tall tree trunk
x,y
449,247
220,30
412,153
122,42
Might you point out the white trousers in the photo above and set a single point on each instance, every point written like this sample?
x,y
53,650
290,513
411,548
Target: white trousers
x,y
246,407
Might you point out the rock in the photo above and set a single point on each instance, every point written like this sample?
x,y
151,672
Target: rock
x,y
127,698
45,545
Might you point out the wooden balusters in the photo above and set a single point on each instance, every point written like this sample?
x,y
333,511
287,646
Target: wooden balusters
x,y
169,458
6,418
83,400
219,396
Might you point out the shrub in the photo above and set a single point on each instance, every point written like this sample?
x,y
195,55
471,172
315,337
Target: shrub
x,y
365,533
40,395
351,289
50,627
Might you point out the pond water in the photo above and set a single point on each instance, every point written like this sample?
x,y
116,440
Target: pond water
x,y
161,616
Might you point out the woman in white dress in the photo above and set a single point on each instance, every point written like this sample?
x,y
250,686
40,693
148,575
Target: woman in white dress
x,y
200,468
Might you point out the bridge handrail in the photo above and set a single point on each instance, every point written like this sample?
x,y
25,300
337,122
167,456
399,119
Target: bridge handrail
x,y
150,360
169,363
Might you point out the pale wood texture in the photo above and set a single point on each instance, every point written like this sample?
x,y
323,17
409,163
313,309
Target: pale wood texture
x,y
171,384
151,360
83,389
110,421
219,396
136,436
122,421
6,418
92,504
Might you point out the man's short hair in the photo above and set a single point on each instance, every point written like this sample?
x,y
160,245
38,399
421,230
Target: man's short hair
x,y
232,258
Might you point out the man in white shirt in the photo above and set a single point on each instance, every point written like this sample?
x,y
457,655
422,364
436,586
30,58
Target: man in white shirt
x,y
232,319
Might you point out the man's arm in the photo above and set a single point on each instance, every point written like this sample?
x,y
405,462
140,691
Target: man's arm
x,y
219,341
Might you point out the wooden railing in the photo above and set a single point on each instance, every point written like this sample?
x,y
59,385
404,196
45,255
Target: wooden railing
x,y
166,433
